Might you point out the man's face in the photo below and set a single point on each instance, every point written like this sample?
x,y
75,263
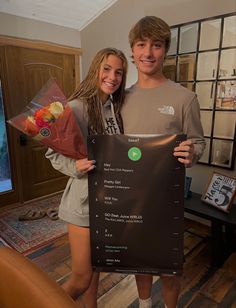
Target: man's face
x,y
149,56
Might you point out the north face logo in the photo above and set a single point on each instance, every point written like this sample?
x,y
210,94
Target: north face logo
x,y
167,110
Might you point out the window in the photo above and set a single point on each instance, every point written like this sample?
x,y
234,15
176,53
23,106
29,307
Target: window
x,y
202,58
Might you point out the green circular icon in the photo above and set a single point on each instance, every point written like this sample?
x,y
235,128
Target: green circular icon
x,y
134,153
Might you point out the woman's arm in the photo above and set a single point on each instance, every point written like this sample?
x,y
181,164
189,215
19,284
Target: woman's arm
x,y
63,164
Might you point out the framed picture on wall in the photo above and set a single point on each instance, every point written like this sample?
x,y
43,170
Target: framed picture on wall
x,y
220,191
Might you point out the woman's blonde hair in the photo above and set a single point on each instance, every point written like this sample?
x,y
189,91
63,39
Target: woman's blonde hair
x,y
153,28
89,91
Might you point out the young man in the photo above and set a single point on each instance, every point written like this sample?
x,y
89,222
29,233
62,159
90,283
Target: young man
x,y
156,105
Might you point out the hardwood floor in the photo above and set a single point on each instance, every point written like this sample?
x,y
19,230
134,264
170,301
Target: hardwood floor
x,y
202,284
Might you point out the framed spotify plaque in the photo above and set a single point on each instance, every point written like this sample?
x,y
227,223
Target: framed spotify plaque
x,y
136,204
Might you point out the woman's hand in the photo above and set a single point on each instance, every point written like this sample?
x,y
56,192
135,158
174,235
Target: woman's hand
x,y
84,165
184,152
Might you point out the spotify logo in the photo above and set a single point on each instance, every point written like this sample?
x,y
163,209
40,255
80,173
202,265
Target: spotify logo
x,y
134,154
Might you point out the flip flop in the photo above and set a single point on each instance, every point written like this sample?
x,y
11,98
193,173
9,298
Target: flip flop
x,y
52,214
32,215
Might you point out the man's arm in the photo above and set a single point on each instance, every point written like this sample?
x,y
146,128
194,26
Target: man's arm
x,y
191,150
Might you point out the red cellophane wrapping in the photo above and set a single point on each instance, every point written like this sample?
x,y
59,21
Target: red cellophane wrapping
x,y
50,120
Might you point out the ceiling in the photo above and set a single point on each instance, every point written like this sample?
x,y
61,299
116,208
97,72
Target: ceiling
x,y
75,14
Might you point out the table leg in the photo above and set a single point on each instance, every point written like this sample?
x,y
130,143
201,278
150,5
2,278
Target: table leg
x,y
230,238
218,246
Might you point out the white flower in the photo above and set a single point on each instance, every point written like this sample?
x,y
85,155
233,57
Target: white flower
x,y
31,119
56,108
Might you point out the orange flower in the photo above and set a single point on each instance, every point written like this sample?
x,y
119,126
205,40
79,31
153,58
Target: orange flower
x,y
43,117
44,114
30,127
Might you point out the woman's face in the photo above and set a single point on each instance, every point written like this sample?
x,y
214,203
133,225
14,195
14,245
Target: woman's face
x,y
110,76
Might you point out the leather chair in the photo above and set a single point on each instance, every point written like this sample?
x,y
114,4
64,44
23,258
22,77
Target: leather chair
x,y
24,285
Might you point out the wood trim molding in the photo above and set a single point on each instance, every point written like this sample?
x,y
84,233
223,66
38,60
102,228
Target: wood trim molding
x,y
40,45
77,70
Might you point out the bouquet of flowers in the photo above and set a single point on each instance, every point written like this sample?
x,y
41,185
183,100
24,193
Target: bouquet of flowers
x,y
50,120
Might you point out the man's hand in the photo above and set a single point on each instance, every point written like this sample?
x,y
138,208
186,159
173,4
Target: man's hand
x,y
184,152
84,165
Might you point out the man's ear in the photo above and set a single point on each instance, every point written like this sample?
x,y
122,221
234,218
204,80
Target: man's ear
x,y
132,56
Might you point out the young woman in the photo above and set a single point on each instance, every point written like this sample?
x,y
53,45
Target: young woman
x,y
99,99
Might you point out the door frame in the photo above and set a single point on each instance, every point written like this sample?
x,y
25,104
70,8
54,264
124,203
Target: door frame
x,y
13,195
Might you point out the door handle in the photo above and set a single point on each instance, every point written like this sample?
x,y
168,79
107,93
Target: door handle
x,y
23,140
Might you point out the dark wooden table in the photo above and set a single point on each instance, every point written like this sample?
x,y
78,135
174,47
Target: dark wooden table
x,y
222,226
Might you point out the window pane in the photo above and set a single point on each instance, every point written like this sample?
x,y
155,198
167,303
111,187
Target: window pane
x,y
186,66
205,93
222,153
224,124
205,156
226,95
169,69
188,85
229,33
173,44
228,64
188,38
207,65
5,174
206,119
210,34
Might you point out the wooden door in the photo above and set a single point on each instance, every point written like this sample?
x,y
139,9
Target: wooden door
x,y
26,71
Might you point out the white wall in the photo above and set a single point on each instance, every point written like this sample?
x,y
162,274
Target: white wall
x,y
112,27
26,28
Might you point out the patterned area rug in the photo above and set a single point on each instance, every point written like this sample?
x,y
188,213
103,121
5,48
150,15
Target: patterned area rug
x,y
29,235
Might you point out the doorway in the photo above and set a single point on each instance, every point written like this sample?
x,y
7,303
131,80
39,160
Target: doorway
x,y
23,72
